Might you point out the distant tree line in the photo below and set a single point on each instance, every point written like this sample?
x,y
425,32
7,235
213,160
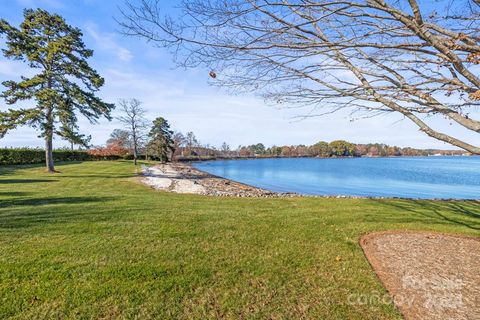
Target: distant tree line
x,y
162,144
184,147
323,149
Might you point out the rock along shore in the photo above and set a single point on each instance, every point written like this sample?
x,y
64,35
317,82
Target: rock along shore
x,y
183,178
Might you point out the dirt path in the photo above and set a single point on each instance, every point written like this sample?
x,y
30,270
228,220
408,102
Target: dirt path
x,y
428,275
182,178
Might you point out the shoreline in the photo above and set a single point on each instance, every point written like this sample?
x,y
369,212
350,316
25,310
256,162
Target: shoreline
x,y
182,177
205,159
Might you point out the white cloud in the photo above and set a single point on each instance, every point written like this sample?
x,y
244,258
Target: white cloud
x,y
106,41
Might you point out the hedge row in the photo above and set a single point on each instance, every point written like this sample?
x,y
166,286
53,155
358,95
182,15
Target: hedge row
x,y
31,156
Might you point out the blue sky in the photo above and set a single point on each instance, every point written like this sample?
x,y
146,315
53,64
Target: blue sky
x,y
133,68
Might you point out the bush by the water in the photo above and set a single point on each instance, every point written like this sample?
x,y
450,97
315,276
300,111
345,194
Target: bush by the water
x,y
31,156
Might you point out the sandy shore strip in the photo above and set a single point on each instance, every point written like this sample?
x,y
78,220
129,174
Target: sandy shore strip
x,y
183,178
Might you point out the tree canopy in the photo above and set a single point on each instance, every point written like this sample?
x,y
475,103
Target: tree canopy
x,y
161,144
64,85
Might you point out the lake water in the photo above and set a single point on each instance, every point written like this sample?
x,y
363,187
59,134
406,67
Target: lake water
x,y
409,177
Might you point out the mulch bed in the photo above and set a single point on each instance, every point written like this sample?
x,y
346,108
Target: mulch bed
x,y
428,275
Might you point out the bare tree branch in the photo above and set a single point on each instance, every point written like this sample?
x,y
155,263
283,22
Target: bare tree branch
x,y
378,56
133,118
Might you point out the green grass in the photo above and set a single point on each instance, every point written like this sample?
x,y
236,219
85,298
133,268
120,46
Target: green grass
x,y
92,242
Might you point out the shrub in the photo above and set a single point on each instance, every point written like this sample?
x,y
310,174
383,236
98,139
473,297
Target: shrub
x,y
10,156
112,149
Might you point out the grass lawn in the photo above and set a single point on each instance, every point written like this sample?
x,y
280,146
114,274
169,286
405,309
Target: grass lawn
x,y
92,242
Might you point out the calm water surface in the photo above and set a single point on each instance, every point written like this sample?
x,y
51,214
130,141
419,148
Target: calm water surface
x,y
415,177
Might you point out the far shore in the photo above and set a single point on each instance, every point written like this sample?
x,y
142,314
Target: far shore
x,y
214,158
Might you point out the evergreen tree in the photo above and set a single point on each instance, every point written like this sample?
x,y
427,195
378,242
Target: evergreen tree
x,y
65,83
258,148
161,143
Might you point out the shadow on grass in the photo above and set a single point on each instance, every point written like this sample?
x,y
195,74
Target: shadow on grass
x,y
108,175
48,201
12,181
13,168
13,194
32,211
464,213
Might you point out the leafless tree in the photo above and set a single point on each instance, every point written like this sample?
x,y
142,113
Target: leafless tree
x,y
419,59
121,138
133,118
179,141
225,149
191,143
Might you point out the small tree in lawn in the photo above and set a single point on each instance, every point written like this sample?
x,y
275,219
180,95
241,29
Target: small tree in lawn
x,y
65,83
133,117
161,144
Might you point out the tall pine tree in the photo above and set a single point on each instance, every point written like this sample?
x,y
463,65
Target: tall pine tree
x,y
161,144
65,84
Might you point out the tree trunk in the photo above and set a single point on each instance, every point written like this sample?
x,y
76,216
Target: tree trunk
x,y
134,131
49,133
49,152
135,153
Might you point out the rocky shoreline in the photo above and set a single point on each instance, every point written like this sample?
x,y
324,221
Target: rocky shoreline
x,y
183,178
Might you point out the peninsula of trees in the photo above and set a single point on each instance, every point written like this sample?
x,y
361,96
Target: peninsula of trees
x,y
187,147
